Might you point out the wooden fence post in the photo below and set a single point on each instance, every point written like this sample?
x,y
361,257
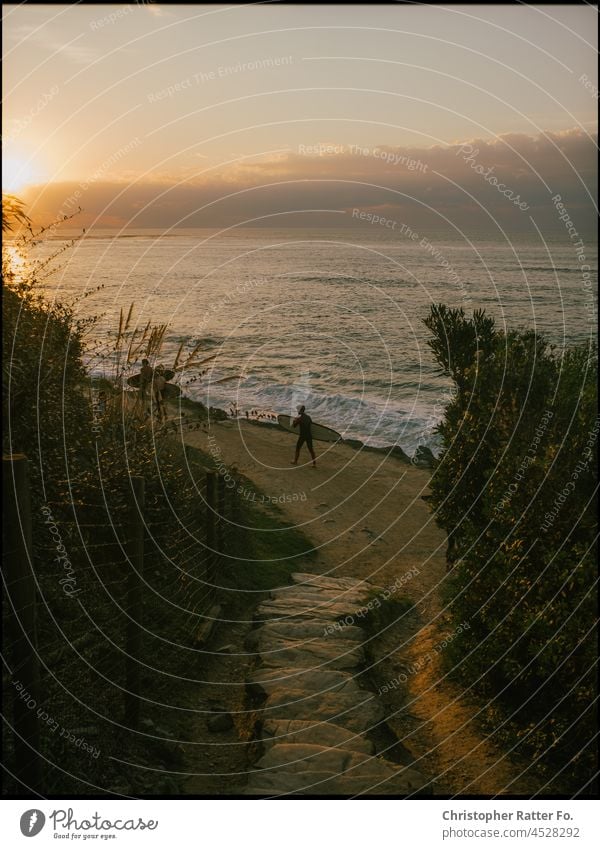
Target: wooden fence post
x,y
133,637
21,595
211,535
221,516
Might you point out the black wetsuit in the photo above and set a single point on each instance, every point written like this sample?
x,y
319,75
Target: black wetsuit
x,y
305,422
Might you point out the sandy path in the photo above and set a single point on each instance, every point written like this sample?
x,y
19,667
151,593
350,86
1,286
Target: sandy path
x,y
364,515
362,511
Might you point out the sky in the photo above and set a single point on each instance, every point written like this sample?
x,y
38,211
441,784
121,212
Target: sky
x,y
161,115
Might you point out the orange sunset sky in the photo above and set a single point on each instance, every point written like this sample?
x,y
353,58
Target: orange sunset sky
x,y
158,116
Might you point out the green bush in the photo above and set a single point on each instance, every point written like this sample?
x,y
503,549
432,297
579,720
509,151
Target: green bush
x,y
80,461
516,489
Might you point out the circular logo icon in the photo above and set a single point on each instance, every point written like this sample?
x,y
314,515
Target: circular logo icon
x,y
32,822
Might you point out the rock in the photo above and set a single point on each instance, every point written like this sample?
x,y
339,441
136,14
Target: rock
x,y
356,714
328,581
353,443
251,640
335,653
195,407
312,681
312,596
398,453
275,731
322,593
211,620
304,631
228,649
306,757
302,602
315,713
389,451
373,777
168,753
424,458
220,722
162,732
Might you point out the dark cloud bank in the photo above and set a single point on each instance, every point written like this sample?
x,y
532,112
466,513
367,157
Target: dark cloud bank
x,y
479,185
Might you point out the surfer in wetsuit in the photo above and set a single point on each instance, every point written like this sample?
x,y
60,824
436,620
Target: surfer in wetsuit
x,y
158,388
146,375
305,422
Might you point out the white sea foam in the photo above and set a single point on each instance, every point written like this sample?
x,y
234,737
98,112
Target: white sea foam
x,y
313,317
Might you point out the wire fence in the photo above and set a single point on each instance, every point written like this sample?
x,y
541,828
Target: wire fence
x,y
106,603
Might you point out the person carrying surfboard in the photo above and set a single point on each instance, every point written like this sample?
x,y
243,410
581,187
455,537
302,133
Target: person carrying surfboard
x,y
304,421
158,388
146,374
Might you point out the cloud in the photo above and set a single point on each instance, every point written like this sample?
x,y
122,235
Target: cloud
x,y
42,37
419,186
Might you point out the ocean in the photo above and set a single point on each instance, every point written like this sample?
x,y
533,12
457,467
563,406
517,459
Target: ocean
x,y
329,318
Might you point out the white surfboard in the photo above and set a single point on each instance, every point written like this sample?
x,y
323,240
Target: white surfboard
x,y
320,432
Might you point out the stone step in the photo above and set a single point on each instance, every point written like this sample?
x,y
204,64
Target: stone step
x,y
317,709
310,596
328,582
275,731
307,757
358,714
303,631
333,654
311,681
293,610
367,779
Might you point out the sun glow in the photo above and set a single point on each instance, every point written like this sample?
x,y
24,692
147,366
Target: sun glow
x,y
16,264
18,173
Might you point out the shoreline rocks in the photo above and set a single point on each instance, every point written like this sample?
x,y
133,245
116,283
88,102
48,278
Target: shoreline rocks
x,y
424,458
